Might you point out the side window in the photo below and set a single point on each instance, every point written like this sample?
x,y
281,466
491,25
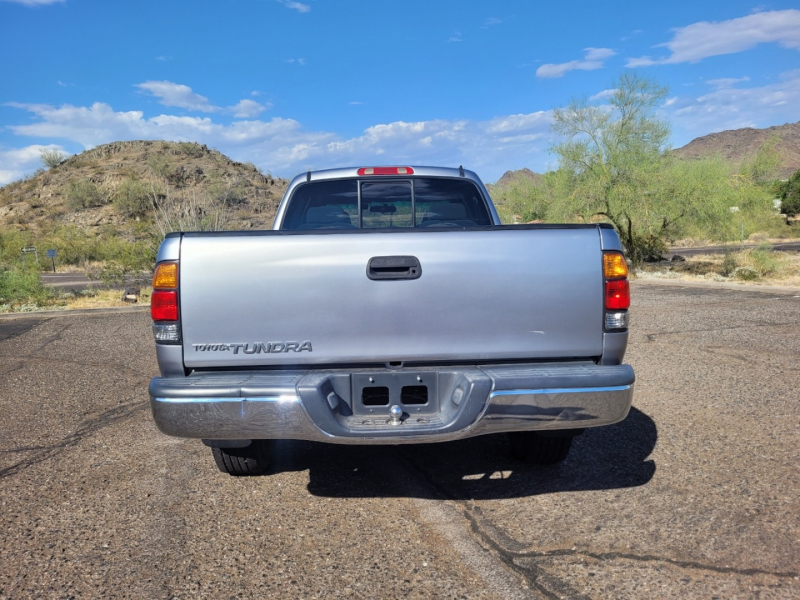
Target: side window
x,y
323,205
386,204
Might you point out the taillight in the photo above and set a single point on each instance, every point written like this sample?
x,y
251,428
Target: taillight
x,y
614,265
166,276
164,307
385,171
618,295
617,291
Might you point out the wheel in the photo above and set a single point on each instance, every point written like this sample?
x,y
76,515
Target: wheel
x,y
536,449
250,460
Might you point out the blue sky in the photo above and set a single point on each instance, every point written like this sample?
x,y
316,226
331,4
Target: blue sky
x,y
292,85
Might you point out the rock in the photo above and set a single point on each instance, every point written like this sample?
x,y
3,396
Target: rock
x,y
678,258
131,294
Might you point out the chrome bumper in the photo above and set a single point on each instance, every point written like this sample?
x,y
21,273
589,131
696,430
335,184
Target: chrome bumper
x,y
313,405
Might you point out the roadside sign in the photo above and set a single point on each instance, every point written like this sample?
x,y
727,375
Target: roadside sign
x,y
29,250
51,254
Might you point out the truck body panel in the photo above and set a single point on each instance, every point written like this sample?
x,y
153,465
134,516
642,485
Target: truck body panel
x,y
495,294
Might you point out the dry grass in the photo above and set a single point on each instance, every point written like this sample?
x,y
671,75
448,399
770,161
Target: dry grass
x,y
81,300
772,268
105,299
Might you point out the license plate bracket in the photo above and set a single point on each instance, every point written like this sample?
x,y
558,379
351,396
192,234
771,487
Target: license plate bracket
x,y
374,393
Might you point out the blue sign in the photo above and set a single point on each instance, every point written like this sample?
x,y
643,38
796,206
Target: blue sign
x,y
51,254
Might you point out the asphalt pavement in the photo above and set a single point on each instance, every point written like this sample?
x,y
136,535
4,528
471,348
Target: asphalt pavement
x,y
694,495
780,246
79,281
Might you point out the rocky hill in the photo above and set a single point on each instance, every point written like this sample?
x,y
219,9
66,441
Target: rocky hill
x,y
738,144
125,186
521,174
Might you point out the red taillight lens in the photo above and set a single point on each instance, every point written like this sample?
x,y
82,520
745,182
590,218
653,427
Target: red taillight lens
x,y
618,295
385,171
164,305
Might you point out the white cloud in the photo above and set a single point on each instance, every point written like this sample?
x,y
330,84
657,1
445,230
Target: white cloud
x,y
701,40
735,107
178,95
726,82
34,2
247,109
299,61
605,94
456,37
598,53
633,33
298,6
17,162
182,96
593,59
491,22
284,147
642,61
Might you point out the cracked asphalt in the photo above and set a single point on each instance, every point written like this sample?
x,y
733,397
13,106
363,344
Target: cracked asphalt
x,y
695,495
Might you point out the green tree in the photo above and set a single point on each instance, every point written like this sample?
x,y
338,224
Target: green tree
x,y
614,154
789,194
521,200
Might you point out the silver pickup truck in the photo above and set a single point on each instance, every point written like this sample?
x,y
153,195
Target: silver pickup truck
x,y
388,305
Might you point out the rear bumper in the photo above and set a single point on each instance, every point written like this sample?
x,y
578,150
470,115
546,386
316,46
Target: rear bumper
x,y
317,405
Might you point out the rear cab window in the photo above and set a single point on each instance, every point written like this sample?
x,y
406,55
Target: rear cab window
x,y
388,203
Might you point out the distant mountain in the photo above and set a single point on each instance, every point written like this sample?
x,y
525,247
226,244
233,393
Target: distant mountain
x,y
510,178
738,144
100,188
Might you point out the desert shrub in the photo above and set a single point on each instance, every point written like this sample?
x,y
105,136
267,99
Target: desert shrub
x,y
190,149
22,285
728,264
232,195
52,158
76,247
11,241
745,273
159,164
83,194
188,211
133,198
766,261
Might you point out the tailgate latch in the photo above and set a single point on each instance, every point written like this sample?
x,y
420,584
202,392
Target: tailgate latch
x,y
381,268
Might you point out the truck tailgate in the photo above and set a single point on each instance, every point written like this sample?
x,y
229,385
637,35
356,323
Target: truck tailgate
x,y
490,294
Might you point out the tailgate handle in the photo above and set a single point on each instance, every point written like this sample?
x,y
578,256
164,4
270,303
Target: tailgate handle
x,y
393,267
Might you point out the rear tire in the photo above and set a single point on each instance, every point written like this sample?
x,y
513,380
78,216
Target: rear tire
x,y
536,449
250,460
